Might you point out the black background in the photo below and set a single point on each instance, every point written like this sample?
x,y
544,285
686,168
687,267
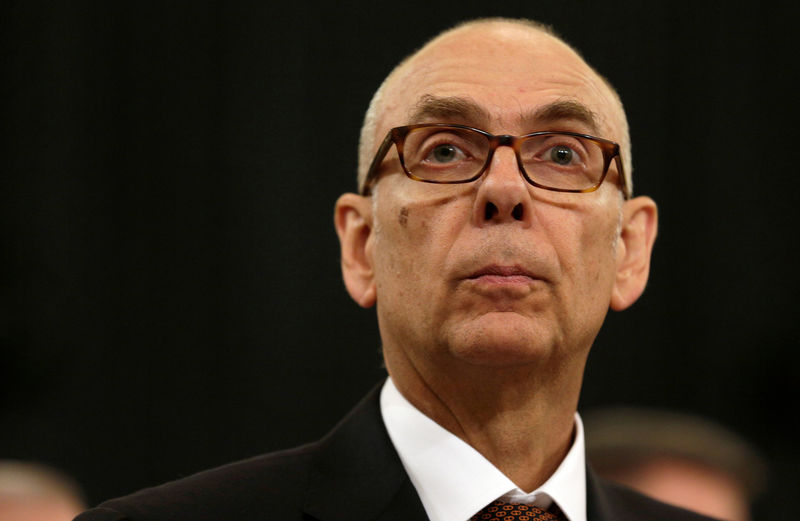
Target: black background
x,y
171,295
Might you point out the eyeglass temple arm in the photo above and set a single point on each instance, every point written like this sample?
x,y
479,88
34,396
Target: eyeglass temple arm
x,y
372,172
622,177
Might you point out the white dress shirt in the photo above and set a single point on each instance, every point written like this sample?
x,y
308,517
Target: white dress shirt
x,y
454,481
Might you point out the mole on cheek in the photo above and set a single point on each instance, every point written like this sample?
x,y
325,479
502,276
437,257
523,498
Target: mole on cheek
x,y
402,218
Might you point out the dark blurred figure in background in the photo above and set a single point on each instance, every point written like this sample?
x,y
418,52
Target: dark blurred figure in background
x,y
676,458
35,492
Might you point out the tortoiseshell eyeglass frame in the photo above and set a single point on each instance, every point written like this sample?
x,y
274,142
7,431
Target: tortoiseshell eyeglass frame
x,y
397,137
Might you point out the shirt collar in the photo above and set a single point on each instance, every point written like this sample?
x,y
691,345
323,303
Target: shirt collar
x,y
454,481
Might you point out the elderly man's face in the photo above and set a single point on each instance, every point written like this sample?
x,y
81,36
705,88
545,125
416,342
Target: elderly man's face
x,y
496,271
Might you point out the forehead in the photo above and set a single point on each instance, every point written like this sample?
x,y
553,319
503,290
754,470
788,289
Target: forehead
x,y
509,74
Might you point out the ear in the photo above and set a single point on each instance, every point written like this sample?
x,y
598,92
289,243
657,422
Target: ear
x,y
353,220
635,246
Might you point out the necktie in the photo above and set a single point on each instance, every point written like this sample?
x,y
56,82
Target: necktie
x,y
502,511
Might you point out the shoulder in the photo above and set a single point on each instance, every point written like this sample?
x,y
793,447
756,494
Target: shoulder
x,y
624,503
245,489
329,476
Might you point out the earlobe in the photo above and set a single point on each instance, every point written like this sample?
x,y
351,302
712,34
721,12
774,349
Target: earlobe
x,y
353,221
637,235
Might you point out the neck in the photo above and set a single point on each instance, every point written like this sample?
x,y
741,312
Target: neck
x,y
519,418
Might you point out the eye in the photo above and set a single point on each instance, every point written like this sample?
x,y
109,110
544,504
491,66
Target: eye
x,y
445,153
438,150
562,155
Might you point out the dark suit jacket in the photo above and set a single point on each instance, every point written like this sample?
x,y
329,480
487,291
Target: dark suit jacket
x,y
352,474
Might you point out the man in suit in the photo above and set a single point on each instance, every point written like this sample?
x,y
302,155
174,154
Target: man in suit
x,y
492,260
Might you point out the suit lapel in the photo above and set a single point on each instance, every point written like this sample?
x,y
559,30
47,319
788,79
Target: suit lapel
x,y
356,474
404,506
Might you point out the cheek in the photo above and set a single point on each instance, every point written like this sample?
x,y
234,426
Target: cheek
x,y
411,224
399,233
598,251
405,251
584,242
412,242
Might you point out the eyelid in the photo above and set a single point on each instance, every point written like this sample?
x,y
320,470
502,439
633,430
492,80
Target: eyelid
x,y
549,141
449,137
574,143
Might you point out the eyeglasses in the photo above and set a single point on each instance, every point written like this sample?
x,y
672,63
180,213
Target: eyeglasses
x,y
450,154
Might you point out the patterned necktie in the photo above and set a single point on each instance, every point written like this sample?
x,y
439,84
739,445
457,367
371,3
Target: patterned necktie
x,y
502,511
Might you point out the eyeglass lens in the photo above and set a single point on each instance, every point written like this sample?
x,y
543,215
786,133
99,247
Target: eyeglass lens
x,y
447,154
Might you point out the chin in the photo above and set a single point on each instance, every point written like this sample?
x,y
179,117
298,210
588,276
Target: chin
x,y
502,343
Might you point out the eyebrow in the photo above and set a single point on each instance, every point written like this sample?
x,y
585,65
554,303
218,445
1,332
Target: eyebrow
x,y
564,110
447,109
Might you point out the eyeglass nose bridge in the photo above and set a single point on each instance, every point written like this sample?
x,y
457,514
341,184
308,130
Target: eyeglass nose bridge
x,y
503,140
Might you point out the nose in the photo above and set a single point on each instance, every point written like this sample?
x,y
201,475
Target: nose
x,y
503,194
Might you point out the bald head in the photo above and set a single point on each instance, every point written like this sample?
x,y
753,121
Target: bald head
x,y
497,47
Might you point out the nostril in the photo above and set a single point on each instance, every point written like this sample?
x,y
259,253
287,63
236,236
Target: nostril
x,y
490,210
517,212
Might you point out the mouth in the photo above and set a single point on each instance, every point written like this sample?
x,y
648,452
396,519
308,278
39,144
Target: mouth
x,y
496,274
